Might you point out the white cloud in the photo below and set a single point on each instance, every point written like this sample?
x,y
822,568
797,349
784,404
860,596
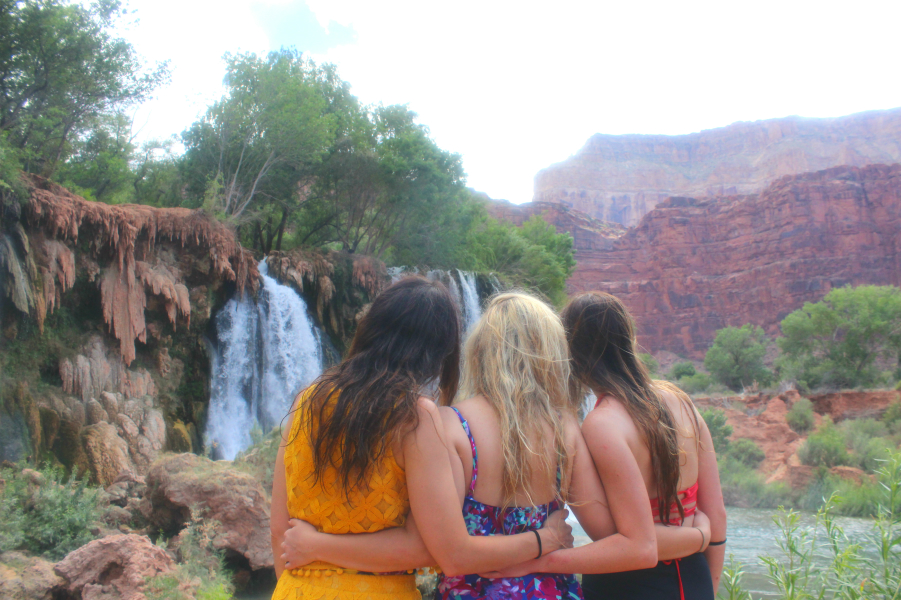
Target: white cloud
x,y
515,87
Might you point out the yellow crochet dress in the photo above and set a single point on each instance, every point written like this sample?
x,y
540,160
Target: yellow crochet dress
x,y
384,504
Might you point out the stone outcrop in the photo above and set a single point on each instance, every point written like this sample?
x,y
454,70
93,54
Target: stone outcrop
x,y
178,483
588,233
761,419
620,178
113,567
27,577
693,266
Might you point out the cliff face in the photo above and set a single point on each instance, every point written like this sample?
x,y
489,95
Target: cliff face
x,y
620,178
694,266
588,233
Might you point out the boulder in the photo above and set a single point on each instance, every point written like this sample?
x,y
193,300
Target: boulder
x,y
113,567
107,454
177,483
27,577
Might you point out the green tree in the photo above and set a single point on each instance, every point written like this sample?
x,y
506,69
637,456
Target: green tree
x,y
736,357
719,429
682,369
839,341
533,256
252,157
61,70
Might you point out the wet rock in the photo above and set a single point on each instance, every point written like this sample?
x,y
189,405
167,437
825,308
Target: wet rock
x,y
113,567
107,454
27,577
178,483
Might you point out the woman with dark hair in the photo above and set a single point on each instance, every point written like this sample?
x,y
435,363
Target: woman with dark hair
x,y
515,445
366,446
652,450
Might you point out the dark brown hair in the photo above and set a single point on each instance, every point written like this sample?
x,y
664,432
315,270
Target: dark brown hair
x,y
409,339
602,343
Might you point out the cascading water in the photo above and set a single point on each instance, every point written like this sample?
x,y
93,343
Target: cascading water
x,y
472,309
268,351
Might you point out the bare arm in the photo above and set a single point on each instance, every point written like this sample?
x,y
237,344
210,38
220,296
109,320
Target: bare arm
x,y
710,500
633,546
395,549
278,518
436,505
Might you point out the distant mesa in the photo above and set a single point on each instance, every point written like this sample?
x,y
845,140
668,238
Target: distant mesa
x,y
620,178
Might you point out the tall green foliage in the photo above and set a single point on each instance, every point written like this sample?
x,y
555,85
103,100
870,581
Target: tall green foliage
x,y
533,256
839,341
736,357
62,70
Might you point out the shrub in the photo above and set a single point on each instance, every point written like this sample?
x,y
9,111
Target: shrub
x,y
892,414
200,573
719,430
50,518
694,384
800,416
649,362
682,369
743,486
866,439
736,357
746,452
825,447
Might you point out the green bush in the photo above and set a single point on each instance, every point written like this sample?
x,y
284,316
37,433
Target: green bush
x,y
743,486
867,441
800,416
695,384
746,452
649,362
200,573
825,447
892,414
50,518
681,369
719,430
736,357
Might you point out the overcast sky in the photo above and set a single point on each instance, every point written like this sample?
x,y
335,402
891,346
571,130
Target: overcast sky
x,y
514,86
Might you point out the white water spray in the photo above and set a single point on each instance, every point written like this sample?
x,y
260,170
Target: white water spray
x,y
268,351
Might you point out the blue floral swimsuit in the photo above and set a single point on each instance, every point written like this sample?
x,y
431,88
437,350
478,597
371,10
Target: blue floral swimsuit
x,y
482,519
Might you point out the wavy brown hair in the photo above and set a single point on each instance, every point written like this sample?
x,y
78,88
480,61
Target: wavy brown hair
x,y
408,340
601,337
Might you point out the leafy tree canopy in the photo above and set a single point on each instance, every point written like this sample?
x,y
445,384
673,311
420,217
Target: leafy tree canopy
x,y
736,357
61,71
840,341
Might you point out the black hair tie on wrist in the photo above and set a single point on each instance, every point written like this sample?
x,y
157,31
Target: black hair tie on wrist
x,y
716,543
538,537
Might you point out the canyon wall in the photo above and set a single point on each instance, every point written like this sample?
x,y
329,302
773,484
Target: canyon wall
x,y
693,266
619,178
588,233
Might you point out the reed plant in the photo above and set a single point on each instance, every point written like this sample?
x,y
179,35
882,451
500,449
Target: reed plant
x,y
823,562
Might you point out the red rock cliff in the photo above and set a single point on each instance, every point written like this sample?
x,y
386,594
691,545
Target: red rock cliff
x,y
620,178
588,233
694,266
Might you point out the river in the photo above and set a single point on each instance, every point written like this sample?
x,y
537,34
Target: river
x,y
752,534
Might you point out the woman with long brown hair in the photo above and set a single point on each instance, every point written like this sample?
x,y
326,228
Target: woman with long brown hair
x,y
651,448
515,445
366,445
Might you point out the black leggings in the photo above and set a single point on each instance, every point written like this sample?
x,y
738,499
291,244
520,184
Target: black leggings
x,y
658,583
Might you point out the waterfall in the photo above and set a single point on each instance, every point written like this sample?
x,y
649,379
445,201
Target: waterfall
x,y
472,309
268,351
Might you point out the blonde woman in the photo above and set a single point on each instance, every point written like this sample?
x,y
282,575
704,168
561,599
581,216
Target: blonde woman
x,y
517,454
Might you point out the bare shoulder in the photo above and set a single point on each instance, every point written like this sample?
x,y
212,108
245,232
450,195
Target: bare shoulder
x,y
608,414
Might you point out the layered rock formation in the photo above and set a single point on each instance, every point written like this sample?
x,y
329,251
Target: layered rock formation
x,y
694,266
588,233
620,178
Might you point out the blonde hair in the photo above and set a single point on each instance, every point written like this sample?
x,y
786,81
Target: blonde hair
x,y
517,358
